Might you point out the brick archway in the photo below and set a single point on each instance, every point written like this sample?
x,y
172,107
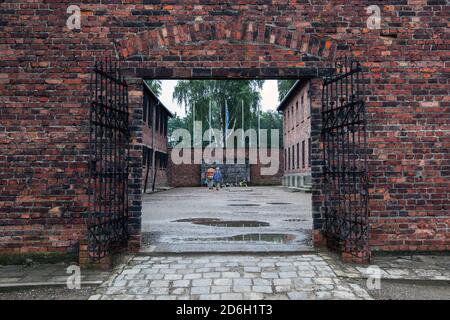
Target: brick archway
x,y
194,51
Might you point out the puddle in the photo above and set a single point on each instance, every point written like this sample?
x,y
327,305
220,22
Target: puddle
x,y
252,237
279,203
244,205
225,223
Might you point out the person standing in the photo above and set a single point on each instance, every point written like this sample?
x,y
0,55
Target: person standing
x,y
217,178
209,177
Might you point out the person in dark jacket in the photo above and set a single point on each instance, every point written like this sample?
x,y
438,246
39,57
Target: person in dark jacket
x,y
217,178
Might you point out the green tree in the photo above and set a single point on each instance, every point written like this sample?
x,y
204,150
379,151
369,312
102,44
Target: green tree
x,y
155,86
198,94
272,120
283,88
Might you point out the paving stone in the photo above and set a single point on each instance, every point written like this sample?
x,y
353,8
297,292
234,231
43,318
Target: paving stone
x,y
166,297
262,289
200,290
209,297
191,276
252,269
208,275
288,274
242,282
138,283
179,291
173,277
159,290
269,275
231,296
262,282
159,283
253,296
181,283
220,289
242,289
323,281
138,290
154,276
223,282
282,288
299,295
201,282
282,282
230,274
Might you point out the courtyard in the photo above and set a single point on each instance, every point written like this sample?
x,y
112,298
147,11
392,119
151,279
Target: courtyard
x,y
232,219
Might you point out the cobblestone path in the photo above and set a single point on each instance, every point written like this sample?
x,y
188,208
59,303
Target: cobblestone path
x,y
228,277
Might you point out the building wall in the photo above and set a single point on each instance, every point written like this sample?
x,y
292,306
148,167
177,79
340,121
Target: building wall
x,y
44,99
190,175
297,138
155,142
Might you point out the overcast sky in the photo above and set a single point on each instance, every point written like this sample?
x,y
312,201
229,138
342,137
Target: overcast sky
x,y
269,95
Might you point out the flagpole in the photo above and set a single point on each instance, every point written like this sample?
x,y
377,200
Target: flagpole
x,y
210,137
243,141
193,123
259,126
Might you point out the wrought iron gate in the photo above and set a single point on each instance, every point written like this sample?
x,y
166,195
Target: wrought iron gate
x,y
109,149
345,159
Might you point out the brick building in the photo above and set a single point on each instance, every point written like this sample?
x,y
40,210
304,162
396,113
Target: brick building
x,y
154,141
296,109
45,102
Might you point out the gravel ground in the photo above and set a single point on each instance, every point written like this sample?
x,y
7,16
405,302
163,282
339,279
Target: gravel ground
x,y
46,293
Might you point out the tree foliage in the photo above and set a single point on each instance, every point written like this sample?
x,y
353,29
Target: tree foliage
x,y
283,88
155,86
198,94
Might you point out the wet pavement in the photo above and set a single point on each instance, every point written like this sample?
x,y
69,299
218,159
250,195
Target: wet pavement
x,y
255,219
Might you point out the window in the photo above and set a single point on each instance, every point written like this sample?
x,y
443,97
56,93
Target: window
x,y
166,121
144,158
309,151
296,111
156,117
161,121
303,153
289,158
293,157
285,158
302,110
145,107
293,120
150,114
298,155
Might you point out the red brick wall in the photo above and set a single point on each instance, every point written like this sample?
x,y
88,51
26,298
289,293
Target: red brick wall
x,y
44,100
183,175
297,129
189,175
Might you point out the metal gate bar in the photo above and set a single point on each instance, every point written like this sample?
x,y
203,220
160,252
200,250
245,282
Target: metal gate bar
x,y
109,149
345,159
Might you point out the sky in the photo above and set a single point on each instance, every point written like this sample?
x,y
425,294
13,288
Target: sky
x,y
269,95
